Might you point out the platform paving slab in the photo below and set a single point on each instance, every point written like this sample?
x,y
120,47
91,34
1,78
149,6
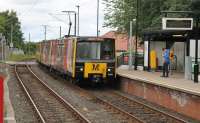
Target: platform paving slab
x,y
9,115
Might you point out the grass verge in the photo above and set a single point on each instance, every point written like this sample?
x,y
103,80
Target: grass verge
x,y
21,57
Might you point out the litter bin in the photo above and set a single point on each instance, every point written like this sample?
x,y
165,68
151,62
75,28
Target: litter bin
x,y
196,73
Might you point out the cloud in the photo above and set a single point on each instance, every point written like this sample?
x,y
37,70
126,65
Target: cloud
x,y
26,2
35,13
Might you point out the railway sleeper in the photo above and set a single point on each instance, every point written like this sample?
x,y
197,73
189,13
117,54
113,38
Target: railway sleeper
x,y
163,120
141,115
155,119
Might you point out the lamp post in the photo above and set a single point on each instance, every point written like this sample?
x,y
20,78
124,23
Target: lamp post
x,y
4,48
136,35
11,36
29,40
2,40
78,7
196,65
1,46
45,32
130,45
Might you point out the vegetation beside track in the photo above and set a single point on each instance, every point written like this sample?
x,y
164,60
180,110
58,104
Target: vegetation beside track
x,y
21,57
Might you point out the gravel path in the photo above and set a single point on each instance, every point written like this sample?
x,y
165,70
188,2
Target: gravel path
x,y
22,107
86,105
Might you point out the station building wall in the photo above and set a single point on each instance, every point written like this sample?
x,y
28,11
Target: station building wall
x,y
179,50
157,46
192,48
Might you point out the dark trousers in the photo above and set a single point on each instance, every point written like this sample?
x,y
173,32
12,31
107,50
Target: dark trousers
x,y
165,69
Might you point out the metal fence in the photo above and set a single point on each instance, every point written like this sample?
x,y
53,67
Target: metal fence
x,y
193,62
123,59
3,56
4,49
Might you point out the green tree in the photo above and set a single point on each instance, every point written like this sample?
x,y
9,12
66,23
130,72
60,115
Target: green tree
x,y
8,20
118,13
30,48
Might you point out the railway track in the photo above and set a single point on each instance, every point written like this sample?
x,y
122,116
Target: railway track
x,y
142,112
127,117
95,112
133,110
48,105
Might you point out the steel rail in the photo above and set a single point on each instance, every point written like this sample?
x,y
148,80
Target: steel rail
x,y
119,110
106,103
67,104
29,96
132,100
150,107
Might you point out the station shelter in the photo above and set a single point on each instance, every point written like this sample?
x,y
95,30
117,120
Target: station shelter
x,y
181,42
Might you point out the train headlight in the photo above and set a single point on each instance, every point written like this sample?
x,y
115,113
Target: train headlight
x,y
81,69
109,69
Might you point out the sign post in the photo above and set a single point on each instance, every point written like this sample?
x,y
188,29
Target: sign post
x,y
130,46
196,65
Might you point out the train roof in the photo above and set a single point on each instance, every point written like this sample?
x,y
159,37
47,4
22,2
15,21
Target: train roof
x,y
83,38
93,38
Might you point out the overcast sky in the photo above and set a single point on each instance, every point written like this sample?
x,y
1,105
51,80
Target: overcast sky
x,y
35,13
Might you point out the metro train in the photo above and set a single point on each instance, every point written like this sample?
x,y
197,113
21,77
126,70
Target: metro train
x,y
80,58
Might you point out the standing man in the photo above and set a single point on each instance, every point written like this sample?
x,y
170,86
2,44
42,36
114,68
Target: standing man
x,y
166,62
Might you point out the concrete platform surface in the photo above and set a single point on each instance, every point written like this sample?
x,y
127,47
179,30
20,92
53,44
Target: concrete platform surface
x,y
175,81
9,115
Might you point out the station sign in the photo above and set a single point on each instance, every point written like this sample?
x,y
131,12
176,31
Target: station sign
x,y
177,23
11,45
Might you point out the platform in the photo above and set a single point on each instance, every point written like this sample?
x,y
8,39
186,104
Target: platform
x,y
175,81
9,115
175,92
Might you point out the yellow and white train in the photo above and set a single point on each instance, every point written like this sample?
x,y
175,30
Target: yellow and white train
x,y
80,58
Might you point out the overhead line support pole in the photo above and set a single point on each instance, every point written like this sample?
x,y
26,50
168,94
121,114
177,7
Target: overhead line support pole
x,y
97,18
75,24
130,45
78,28
196,66
136,36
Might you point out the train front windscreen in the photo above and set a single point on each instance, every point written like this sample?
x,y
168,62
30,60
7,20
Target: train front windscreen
x,y
96,50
